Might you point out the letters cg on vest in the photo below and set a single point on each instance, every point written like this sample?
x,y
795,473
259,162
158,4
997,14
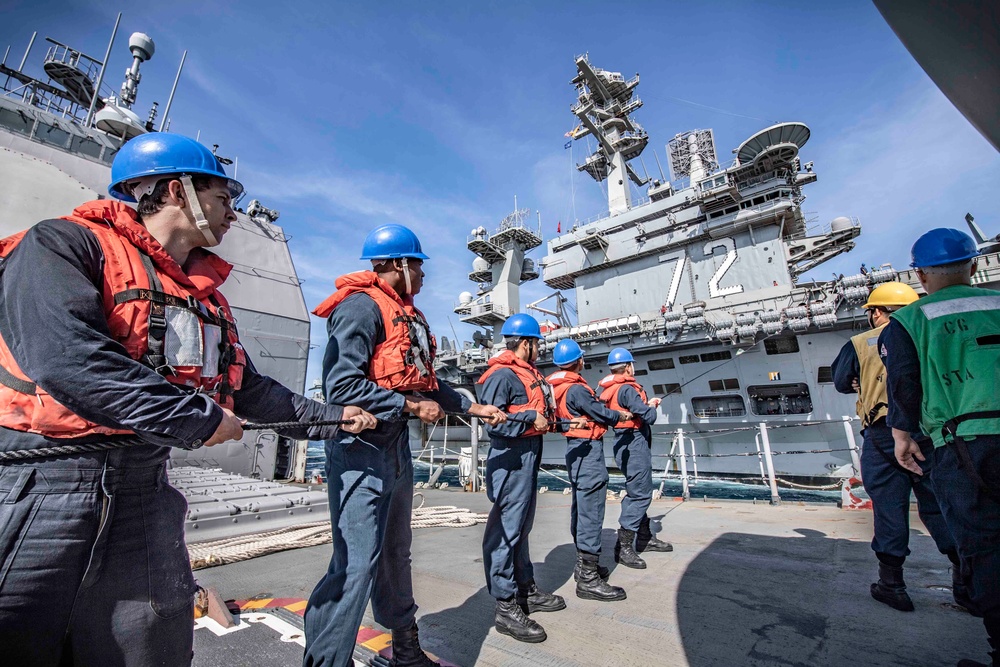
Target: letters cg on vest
x,y
174,323
537,389
561,382
956,332
404,361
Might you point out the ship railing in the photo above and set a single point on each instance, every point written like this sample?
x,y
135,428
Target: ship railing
x,y
684,440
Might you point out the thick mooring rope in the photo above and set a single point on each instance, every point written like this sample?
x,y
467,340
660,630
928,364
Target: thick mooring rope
x,y
245,547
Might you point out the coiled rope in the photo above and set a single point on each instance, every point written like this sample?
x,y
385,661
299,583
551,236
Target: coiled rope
x,y
245,547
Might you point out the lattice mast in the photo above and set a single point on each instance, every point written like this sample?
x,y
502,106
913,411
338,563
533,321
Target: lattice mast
x,y
604,107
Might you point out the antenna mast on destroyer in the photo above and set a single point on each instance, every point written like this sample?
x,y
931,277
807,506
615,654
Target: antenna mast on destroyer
x,y
499,268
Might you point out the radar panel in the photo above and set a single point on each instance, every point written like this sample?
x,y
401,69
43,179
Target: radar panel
x,y
694,145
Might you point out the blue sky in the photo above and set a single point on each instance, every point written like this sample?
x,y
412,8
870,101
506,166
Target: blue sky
x,y
436,114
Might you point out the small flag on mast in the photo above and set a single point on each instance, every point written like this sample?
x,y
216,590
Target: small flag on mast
x,y
559,227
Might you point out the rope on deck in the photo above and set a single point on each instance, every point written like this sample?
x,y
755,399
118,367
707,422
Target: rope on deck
x,y
245,547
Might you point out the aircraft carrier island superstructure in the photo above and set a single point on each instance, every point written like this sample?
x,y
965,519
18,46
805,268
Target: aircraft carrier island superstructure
x,y
703,280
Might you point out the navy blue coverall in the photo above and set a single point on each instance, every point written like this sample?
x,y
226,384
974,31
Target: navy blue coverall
x,y
370,484
511,478
588,472
887,483
93,565
972,516
633,455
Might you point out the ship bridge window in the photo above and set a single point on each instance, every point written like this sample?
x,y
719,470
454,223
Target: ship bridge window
x,y
717,356
671,388
87,146
661,364
727,384
718,406
780,399
52,134
16,122
824,375
689,358
781,345
641,371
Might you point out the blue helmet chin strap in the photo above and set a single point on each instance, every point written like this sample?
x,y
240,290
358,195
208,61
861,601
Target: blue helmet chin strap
x,y
406,276
145,186
200,221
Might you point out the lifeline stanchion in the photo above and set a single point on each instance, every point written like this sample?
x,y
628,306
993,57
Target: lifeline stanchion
x,y
686,493
775,498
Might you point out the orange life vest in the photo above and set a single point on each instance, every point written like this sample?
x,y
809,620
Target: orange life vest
x,y
404,361
609,394
152,307
561,382
538,390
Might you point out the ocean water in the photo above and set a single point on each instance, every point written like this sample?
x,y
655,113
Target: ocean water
x,y
556,481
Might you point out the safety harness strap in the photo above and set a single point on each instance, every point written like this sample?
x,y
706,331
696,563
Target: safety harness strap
x,y
17,384
949,433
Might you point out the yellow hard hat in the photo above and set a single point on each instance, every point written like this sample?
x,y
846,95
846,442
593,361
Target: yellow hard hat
x,y
892,294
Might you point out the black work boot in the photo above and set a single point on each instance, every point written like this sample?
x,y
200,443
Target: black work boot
x,y
589,584
510,620
531,599
625,553
890,588
646,541
406,651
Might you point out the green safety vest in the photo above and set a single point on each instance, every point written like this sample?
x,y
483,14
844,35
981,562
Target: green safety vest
x,y
872,401
956,332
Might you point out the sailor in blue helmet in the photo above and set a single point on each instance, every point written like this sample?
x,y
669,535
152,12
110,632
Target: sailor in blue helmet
x,y
942,355
514,385
122,333
588,420
633,438
380,355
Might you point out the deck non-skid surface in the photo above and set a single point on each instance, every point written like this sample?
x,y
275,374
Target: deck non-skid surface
x,y
746,585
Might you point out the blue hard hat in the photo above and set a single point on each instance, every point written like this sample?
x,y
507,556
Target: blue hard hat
x,y
567,352
521,326
942,246
619,355
164,154
392,242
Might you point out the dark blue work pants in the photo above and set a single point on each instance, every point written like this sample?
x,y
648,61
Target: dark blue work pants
x,y
974,520
511,477
93,566
889,487
635,460
589,476
371,503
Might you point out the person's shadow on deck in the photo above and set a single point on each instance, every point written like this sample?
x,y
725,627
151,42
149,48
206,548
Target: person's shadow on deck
x,y
457,634
751,599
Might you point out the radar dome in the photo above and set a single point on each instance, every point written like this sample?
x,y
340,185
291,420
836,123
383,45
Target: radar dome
x,y
480,264
840,223
141,46
465,297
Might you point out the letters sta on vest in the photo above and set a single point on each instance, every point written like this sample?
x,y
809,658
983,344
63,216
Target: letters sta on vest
x,y
404,361
873,402
537,389
561,382
172,321
956,332
609,394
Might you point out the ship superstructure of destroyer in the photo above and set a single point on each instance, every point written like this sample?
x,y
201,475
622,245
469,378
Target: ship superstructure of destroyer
x,y
59,133
702,280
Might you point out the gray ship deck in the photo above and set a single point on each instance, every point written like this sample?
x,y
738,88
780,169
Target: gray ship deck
x,y
746,585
